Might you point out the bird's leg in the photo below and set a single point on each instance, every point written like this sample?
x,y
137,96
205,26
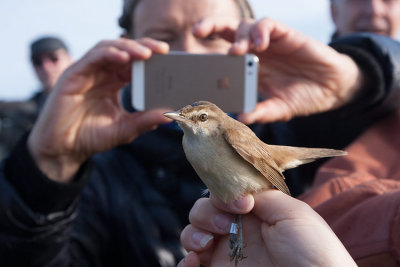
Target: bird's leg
x,y
236,240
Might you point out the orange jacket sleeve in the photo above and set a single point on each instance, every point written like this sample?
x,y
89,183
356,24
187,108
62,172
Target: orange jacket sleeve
x,y
359,195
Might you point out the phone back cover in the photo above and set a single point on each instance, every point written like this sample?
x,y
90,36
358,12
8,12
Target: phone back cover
x,y
176,81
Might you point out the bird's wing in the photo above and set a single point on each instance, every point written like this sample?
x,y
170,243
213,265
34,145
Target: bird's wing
x,y
287,157
259,156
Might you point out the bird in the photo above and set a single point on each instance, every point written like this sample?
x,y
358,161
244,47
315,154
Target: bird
x,y
232,161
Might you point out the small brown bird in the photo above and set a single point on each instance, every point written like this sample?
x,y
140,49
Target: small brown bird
x,y
232,161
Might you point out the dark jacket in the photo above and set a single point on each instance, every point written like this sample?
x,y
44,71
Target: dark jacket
x,y
132,209
16,118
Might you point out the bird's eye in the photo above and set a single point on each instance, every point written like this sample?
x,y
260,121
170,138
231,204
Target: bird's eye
x,y
203,117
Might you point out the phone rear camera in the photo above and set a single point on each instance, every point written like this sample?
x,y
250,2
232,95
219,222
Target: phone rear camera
x,y
250,64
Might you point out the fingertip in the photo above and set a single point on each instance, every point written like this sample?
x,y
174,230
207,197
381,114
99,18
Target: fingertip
x,y
260,39
260,44
241,205
164,48
145,52
244,204
240,47
190,260
110,54
265,112
160,47
144,121
159,118
124,55
201,28
201,239
245,118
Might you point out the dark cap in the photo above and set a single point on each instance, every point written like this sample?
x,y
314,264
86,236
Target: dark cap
x,y
46,44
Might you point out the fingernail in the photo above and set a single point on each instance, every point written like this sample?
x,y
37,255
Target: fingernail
x,y
201,239
243,118
164,45
241,203
144,50
184,259
182,263
223,222
238,43
258,42
198,24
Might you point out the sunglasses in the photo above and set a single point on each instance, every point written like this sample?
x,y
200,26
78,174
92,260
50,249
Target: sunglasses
x,y
38,61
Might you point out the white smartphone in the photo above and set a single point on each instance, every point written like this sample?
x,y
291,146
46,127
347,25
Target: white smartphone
x,y
178,79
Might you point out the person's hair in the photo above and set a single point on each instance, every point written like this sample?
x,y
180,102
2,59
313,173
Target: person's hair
x,y
126,19
46,44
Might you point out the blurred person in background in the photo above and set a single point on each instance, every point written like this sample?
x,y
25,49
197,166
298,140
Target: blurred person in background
x,y
376,16
49,57
381,17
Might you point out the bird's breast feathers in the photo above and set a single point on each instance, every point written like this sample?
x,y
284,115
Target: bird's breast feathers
x,y
222,167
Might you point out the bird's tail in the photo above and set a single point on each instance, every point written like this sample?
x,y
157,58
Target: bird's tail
x,y
288,157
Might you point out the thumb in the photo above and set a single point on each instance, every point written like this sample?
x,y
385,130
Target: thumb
x,y
133,125
242,205
272,206
270,110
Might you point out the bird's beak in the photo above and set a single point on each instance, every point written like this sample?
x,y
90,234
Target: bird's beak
x,y
175,115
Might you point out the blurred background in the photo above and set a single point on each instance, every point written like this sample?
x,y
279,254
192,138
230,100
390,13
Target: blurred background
x,y
82,23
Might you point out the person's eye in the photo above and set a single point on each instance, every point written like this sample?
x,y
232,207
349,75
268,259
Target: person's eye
x,y
54,58
37,62
167,37
212,37
168,40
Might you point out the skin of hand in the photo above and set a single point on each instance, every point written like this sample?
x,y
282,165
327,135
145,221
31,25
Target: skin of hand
x,y
279,231
83,114
298,76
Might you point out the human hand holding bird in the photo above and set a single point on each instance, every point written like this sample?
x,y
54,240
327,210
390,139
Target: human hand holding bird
x,y
232,161
280,231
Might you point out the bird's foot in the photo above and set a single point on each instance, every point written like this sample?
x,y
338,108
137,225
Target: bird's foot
x,y
236,241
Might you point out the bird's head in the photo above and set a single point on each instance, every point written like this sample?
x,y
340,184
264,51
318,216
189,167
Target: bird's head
x,y
199,118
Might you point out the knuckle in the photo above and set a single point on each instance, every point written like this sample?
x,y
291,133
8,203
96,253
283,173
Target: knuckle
x,y
265,20
145,40
304,208
102,43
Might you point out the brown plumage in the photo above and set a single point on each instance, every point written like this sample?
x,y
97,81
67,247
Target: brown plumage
x,y
232,161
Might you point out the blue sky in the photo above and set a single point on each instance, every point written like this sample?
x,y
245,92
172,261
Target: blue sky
x,y
82,23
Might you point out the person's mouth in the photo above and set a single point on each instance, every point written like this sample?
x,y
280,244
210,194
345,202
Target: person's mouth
x,y
377,27
376,31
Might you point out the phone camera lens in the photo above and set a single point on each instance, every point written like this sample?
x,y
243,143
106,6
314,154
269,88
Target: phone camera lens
x,y
250,64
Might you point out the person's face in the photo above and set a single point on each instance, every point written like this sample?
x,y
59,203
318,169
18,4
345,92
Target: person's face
x,y
172,21
377,16
50,65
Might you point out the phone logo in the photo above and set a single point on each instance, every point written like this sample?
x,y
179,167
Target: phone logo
x,y
224,83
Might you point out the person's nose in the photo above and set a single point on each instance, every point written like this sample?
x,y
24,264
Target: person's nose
x,y
47,65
